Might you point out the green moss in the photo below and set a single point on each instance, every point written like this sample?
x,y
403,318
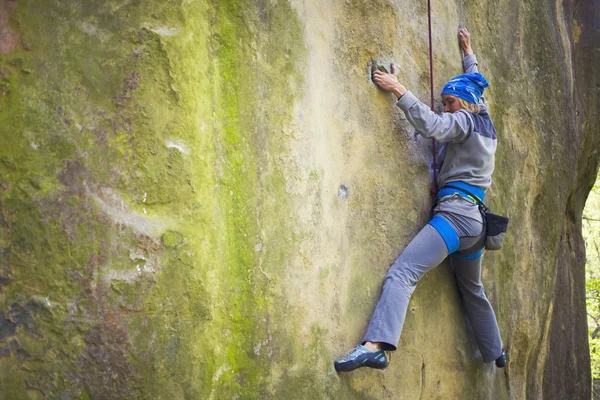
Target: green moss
x,y
239,87
172,239
162,128
12,387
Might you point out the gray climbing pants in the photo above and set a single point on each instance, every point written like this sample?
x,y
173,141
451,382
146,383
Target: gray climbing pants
x,y
426,251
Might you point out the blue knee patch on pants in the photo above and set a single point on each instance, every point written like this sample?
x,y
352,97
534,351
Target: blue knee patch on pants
x,y
447,232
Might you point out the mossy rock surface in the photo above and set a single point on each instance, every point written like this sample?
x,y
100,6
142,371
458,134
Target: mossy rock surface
x,y
200,199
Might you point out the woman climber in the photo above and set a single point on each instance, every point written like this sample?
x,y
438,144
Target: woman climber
x,y
456,229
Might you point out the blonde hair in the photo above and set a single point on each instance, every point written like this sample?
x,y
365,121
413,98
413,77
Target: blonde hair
x,y
470,107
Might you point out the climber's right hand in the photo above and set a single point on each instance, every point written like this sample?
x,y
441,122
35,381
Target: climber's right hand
x,y
389,82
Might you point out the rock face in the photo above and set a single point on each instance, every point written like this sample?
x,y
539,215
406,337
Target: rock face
x,y
200,199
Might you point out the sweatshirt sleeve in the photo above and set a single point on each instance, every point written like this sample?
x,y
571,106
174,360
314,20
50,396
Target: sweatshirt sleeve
x,y
470,64
447,127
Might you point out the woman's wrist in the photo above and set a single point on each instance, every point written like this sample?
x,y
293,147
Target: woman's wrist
x,y
399,90
468,51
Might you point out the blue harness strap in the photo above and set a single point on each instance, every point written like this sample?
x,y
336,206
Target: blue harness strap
x,y
463,189
447,232
472,256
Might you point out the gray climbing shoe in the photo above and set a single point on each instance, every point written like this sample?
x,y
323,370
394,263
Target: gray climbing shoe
x,y
359,357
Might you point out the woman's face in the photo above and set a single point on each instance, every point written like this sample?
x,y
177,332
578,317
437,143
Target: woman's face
x,y
450,103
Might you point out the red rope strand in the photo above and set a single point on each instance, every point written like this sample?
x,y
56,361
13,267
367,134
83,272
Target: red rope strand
x,y
434,187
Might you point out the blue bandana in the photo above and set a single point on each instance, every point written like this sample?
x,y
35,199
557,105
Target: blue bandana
x,y
468,87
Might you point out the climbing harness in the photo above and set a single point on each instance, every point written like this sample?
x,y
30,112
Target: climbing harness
x,y
495,225
434,187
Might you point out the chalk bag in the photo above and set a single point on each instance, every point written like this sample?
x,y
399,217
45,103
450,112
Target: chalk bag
x,y
495,229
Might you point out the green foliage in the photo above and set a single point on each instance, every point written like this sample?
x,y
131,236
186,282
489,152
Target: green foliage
x,y
591,233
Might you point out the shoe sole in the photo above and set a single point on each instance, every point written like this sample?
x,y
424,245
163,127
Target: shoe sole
x,y
367,365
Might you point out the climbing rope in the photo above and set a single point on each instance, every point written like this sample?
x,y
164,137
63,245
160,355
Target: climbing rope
x,y
434,187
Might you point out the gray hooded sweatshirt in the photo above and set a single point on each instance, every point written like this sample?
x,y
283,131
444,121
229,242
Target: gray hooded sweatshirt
x,y
469,139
